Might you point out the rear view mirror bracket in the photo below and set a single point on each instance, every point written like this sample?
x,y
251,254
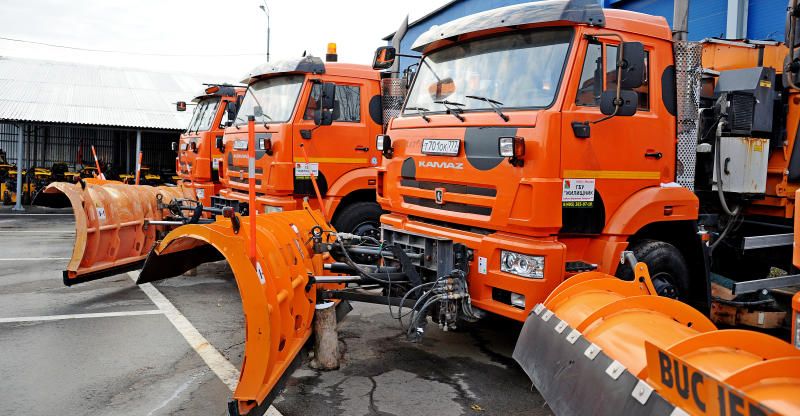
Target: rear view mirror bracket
x,y
622,101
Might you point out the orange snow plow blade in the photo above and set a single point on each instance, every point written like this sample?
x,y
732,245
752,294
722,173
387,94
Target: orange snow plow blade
x,y
278,296
602,346
111,234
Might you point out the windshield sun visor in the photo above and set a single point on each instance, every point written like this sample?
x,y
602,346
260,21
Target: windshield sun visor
x,y
575,11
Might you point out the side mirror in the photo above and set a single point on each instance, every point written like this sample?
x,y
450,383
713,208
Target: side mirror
x,y
231,109
442,89
180,106
628,101
384,57
325,105
633,62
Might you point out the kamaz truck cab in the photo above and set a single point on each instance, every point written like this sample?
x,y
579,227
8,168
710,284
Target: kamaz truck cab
x,y
528,142
298,132
200,146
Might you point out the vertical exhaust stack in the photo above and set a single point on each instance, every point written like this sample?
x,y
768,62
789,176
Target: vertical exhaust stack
x,y
680,21
394,88
688,72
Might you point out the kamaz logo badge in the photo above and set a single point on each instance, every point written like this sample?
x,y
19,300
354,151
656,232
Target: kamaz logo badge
x,y
438,196
442,165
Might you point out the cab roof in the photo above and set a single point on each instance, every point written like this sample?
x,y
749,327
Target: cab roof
x,y
225,90
576,12
310,65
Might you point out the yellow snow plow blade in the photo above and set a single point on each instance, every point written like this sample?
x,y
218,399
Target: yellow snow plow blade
x,y
275,284
111,230
602,346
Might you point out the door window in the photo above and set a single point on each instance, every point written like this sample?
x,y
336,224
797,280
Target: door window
x,y
591,84
347,107
593,76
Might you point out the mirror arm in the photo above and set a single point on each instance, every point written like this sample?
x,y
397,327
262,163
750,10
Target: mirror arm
x,y
618,98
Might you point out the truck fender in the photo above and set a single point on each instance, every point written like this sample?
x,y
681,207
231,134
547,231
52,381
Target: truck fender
x,y
350,182
652,205
277,295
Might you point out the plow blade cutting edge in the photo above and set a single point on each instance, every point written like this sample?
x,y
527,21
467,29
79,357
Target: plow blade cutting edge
x,y
111,235
277,292
602,346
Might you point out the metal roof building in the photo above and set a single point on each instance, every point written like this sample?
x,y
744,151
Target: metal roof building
x,y
64,108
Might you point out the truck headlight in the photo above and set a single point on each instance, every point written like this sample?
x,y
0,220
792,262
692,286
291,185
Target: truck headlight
x,y
268,209
522,264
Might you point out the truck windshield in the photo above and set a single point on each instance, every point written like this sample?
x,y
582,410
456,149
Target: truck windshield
x,y
203,114
276,97
519,70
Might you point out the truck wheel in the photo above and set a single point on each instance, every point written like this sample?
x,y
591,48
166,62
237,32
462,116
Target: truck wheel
x,y
360,218
668,269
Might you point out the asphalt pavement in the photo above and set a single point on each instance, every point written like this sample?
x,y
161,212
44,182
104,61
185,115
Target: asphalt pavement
x,y
105,348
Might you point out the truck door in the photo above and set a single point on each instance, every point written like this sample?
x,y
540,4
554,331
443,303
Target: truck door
x,y
339,148
622,154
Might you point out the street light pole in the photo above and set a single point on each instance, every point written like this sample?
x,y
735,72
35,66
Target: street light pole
x,y
265,9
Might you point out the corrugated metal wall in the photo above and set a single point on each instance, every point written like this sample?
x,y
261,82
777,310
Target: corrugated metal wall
x,y
45,145
707,18
766,19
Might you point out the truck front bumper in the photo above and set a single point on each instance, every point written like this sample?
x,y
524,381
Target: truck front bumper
x,y
490,288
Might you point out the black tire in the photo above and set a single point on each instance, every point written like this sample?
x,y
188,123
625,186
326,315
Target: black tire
x,y
361,218
668,269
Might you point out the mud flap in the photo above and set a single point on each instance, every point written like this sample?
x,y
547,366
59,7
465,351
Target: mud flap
x,y
575,377
277,299
110,232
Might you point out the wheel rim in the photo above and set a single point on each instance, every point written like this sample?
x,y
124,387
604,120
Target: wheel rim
x,y
665,286
368,229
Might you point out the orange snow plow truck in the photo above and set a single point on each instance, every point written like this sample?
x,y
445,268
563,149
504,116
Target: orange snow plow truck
x,y
311,118
200,146
540,144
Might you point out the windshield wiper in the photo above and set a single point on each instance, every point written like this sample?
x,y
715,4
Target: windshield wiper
x,y
453,108
421,111
493,103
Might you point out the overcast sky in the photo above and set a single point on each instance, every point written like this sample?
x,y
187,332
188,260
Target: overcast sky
x,y
200,27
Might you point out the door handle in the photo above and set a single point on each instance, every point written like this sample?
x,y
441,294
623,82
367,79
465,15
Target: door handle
x,y
655,155
362,149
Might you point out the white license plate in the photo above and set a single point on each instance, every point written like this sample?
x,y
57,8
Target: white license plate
x,y
441,147
184,146
240,145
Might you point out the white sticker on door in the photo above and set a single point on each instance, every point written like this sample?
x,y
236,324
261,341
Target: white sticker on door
x,y
577,193
101,213
304,170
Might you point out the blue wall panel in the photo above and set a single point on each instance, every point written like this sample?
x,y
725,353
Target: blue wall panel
x,y
707,18
766,19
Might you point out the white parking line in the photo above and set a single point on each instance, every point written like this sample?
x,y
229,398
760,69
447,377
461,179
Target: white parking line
x,y
223,368
34,258
78,316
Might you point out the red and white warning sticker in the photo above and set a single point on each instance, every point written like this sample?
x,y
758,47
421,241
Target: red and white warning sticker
x,y
577,193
